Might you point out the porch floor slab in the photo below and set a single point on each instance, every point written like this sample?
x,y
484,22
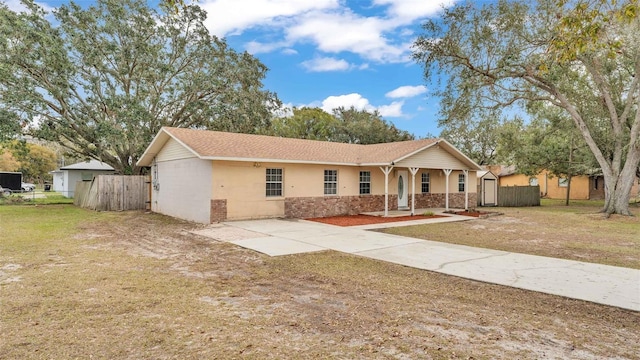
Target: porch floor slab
x,y
398,213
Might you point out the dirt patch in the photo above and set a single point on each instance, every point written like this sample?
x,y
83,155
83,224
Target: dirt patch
x,y
149,285
574,233
353,220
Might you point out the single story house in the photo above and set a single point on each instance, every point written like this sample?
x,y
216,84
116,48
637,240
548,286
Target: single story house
x,y
583,187
210,176
65,178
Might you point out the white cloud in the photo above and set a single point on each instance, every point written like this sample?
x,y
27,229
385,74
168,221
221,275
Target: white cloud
x,y
409,10
330,25
289,51
356,100
361,103
345,31
225,17
16,6
254,47
326,64
285,110
406,91
392,110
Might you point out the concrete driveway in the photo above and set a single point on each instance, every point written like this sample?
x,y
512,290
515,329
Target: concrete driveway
x,y
603,284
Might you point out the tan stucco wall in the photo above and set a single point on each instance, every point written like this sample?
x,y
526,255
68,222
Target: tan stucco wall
x,y
242,184
549,185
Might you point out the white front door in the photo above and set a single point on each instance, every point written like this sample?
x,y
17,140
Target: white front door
x,y
403,189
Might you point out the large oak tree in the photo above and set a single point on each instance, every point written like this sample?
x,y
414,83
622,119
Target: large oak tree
x,y
582,57
347,125
103,80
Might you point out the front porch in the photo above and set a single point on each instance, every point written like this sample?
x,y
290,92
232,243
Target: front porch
x,y
416,185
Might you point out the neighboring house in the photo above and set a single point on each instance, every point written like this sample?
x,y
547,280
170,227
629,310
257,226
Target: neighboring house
x,y
65,178
209,176
487,188
553,187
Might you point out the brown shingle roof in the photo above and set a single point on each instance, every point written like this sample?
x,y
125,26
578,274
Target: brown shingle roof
x,y
223,145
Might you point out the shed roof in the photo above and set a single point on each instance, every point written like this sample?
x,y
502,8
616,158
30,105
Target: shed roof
x,y
216,145
484,173
89,165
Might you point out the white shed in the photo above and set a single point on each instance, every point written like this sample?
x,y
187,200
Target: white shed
x,y
64,179
487,188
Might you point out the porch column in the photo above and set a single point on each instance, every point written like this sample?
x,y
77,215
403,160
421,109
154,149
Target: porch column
x,y
466,189
386,171
414,171
447,172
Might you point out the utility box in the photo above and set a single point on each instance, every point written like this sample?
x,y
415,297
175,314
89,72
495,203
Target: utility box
x,y
11,180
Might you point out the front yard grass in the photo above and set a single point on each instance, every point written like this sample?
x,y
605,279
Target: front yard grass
x,y
575,232
35,198
81,284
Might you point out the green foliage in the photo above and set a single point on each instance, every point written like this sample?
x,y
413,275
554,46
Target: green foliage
x,y
103,80
306,123
363,127
344,125
476,135
579,57
582,27
547,142
33,161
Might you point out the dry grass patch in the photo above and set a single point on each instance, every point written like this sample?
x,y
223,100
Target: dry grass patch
x,y
140,286
577,232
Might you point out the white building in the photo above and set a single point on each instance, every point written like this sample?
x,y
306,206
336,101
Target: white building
x,y
65,178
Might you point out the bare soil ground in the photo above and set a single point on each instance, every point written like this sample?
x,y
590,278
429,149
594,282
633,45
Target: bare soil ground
x,y
140,286
577,232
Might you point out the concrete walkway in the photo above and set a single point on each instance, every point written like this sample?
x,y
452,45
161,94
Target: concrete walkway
x,y
603,284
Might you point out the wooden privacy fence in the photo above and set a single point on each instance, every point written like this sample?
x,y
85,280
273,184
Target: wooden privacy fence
x,y
113,193
513,196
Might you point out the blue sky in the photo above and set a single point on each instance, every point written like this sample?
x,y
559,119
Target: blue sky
x,y
330,53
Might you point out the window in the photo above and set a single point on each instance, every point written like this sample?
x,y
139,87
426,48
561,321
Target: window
x,y
461,183
365,182
274,182
331,182
595,183
87,176
426,183
563,182
533,181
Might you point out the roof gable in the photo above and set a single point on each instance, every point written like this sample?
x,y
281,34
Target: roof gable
x,y
89,165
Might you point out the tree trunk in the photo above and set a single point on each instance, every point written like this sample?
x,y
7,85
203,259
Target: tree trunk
x,y
618,192
566,201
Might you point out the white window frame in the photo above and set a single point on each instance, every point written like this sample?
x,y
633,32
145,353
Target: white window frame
x,y
365,182
331,182
274,179
425,180
563,182
461,182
